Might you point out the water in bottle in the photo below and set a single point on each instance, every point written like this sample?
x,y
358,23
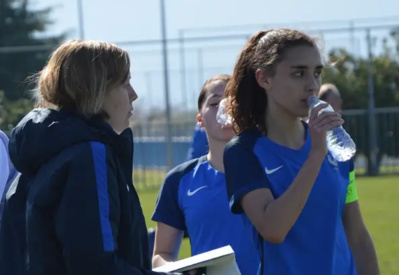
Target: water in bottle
x,y
339,142
223,118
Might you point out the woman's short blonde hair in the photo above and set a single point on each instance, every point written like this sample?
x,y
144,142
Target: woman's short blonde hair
x,y
79,73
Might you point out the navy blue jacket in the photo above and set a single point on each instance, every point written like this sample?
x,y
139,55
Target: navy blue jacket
x,y
74,201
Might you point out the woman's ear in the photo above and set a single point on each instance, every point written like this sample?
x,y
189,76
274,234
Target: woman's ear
x,y
199,120
263,79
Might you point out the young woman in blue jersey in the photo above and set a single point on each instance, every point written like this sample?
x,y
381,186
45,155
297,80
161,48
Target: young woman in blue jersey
x,y
302,203
193,196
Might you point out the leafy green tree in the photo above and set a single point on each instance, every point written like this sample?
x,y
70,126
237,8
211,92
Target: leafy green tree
x,y
21,26
350,75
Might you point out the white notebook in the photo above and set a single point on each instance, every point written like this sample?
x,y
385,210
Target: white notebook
x,y
220,261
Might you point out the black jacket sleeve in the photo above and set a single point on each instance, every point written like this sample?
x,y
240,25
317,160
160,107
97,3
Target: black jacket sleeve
x,y
88,216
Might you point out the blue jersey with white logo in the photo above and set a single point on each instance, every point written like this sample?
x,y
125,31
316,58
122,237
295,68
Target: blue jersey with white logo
x,y
316,244
193,197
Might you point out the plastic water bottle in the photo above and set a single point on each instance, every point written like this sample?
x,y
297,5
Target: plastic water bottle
x,y
222,117
339,142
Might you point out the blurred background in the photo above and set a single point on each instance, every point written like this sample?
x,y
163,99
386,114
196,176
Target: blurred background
x,y
176,45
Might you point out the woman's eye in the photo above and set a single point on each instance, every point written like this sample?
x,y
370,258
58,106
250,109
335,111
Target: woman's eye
x,y
317,73
299,74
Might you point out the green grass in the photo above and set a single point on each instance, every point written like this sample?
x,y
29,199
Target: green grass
x,y
148,199
145,179
380,207
378,198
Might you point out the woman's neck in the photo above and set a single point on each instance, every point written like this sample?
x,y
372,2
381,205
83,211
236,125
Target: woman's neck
x,y
215,154
285,129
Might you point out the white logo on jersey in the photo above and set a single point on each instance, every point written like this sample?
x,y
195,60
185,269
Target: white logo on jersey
x,y
269,172
190,193
231,202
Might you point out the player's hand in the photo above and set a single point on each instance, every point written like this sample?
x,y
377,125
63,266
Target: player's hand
x,y
319,125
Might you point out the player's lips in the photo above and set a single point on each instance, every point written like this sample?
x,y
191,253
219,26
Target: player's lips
x,y
304,102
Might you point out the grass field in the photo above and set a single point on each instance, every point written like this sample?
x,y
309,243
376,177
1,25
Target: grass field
x,y
380,207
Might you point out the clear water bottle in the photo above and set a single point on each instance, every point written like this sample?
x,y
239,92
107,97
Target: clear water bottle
x,y
339,142
222,117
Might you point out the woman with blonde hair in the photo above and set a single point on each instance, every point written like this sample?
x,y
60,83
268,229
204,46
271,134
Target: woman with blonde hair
x,y
74,210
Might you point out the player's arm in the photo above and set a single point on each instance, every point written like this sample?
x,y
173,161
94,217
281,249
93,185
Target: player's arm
x,y
170,220
358,237
249,192
274,218
167,244
84,223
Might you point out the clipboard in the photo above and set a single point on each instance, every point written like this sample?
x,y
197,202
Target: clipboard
x,y
219,261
